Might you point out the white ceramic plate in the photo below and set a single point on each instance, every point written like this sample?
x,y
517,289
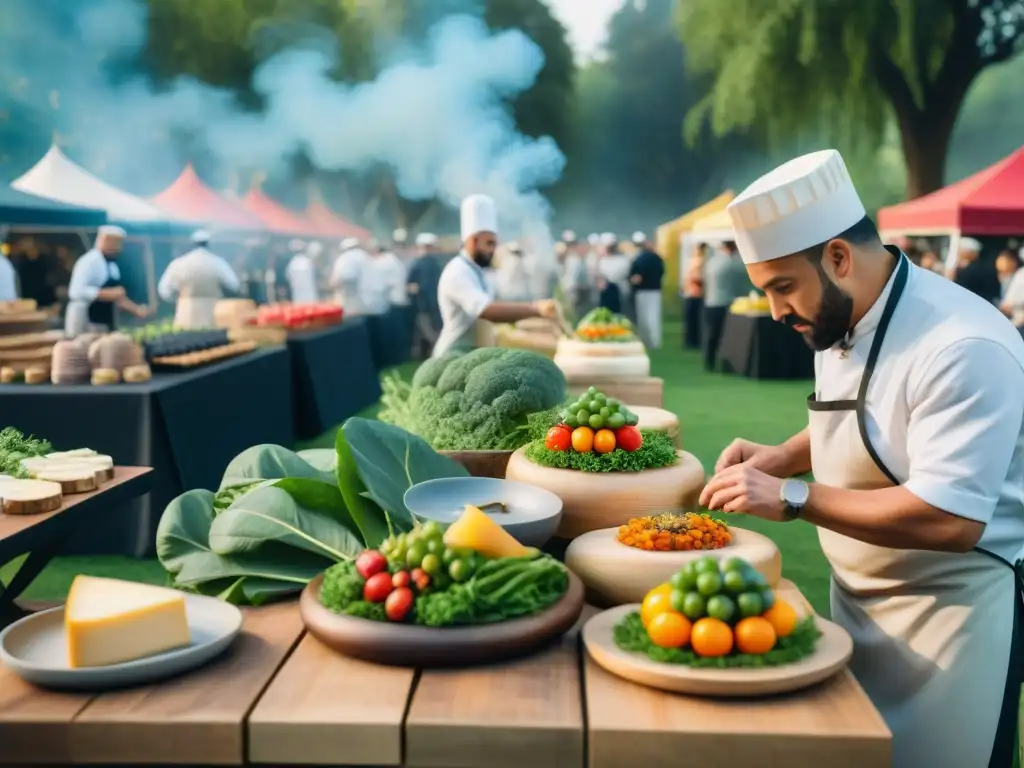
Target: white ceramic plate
x,y
36,649
830,656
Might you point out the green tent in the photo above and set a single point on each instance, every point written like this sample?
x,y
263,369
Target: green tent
x,y
19,209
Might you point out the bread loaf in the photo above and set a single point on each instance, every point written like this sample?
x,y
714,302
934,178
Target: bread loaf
x,y
115,351
36,375
105,376
134,374
7,375
70,363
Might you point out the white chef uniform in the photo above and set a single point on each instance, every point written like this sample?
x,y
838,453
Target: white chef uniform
x,y
301,275
91,273
8,280
391,272
346,275
927,392
198,281
463,292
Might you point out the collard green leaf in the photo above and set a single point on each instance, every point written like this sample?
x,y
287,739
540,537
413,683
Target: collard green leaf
x,y
367,515
268,515
262,591
184,530
320,497
269,462
275,562
390,461
323,459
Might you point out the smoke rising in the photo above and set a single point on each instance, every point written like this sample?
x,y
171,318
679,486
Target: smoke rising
x,y
437,116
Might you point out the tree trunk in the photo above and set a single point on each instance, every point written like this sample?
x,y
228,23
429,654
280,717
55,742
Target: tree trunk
x,y
925,145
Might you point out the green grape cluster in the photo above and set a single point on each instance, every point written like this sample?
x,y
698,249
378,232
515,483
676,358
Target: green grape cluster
x,y
423,548
596,411
727,590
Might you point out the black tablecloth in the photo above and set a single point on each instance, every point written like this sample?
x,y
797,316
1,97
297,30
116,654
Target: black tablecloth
x,y
187,426
758,347
333,376
391,336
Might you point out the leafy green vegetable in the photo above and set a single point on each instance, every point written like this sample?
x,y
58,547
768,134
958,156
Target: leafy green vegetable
x,y
657,451
631,636
270,462
474,401
341,586
368,517
14,447
226,497
389,461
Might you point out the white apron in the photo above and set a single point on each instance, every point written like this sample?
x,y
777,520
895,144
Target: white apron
x,y
648,317
931,630
193,311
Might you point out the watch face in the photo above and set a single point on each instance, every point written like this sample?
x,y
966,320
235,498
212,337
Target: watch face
x,y
795,492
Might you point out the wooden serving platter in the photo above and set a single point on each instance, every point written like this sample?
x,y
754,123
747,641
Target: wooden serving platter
x,y
206,356
410,645
830,656
19,340
23,317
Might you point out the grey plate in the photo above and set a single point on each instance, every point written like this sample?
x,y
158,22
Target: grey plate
x,y
36,649
533,516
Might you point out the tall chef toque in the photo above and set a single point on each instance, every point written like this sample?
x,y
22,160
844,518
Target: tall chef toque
x,y
478,215
800,204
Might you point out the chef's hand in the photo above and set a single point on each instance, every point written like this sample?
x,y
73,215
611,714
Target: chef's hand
x,y
742,489
546,308
767,458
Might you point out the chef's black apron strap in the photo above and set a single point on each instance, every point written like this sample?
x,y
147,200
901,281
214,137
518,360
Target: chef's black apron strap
x,y
1004,747
900,282
102,312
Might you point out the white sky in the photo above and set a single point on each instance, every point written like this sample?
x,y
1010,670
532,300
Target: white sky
x,y
587,22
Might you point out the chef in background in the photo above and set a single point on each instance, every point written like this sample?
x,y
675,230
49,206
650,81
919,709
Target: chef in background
x,y
613,275
375,281
575,285
512,278
463,293
346,275
645,275
8,276
392,270
198,280
95,291
421,285
301,273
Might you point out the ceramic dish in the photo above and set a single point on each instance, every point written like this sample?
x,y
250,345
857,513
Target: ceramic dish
x,y
830,656
533,513
36,649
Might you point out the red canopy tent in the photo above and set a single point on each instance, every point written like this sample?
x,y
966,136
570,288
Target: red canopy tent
x,y
189,199
991,202
331,224
277,218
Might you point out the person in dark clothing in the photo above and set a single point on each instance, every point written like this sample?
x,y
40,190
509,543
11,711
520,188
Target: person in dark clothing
x,y
421,284
646,274
978,277
725,280
693,298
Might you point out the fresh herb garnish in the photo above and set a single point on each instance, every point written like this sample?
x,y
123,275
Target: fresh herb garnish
x,y
657,451
14,447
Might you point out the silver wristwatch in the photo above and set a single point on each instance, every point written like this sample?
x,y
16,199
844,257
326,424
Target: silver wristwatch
x,y
794,495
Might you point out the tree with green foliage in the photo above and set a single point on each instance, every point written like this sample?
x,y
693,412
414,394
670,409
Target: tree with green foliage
x,y
847,68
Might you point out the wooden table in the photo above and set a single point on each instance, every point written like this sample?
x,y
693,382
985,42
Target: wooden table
x,y
279,697
41,536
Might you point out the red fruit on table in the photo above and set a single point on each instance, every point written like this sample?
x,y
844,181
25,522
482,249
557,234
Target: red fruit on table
x,y
401,579
628,438
370,562
399,604
559,438
378,587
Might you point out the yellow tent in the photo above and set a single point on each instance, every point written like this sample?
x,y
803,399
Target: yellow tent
x,y
669,235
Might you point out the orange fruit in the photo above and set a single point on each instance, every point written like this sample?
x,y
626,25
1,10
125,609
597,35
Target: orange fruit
x,y
669,630
654,604
666,588
582,439
711,637
755,635
783,618
604,441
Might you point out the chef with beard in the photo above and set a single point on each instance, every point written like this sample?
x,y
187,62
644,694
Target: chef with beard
x,y
914,440
463,293
347,274
95,291
198,281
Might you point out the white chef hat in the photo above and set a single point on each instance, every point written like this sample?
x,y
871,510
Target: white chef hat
x,y
314,249
568,236
400,235
349,243
426,239
109,230
639,238
479,214
800,204
200,236
609,238
593,238
969,245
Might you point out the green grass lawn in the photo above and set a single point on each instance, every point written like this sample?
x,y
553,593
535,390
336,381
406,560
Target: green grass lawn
x,y
713,409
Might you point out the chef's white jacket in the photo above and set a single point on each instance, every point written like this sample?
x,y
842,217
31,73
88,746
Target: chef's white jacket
x,y
346,275
198,273
392,272
301,274
8,280
463,293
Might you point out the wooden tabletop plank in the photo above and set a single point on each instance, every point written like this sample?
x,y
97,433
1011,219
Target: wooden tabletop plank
x,y
323,708
523,712
195,719
35,724
831,724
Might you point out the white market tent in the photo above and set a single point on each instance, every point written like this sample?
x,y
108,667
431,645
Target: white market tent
x,y
710,230
59,178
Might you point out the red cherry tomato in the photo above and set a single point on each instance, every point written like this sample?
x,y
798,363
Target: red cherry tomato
x,y
370,562
559,438
628,438
401,579
377,587
399,604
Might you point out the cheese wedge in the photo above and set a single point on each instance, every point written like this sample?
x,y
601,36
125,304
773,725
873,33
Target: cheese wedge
x,y
109,621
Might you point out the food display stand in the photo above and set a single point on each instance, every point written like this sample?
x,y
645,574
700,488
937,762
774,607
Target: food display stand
x,y
279,697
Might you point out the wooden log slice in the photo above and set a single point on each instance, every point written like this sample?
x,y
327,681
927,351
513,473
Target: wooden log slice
x,y
29,497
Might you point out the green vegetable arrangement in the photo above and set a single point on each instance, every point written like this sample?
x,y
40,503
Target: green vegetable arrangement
x,y
631,636
280,518
657,451
14,447
480,400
